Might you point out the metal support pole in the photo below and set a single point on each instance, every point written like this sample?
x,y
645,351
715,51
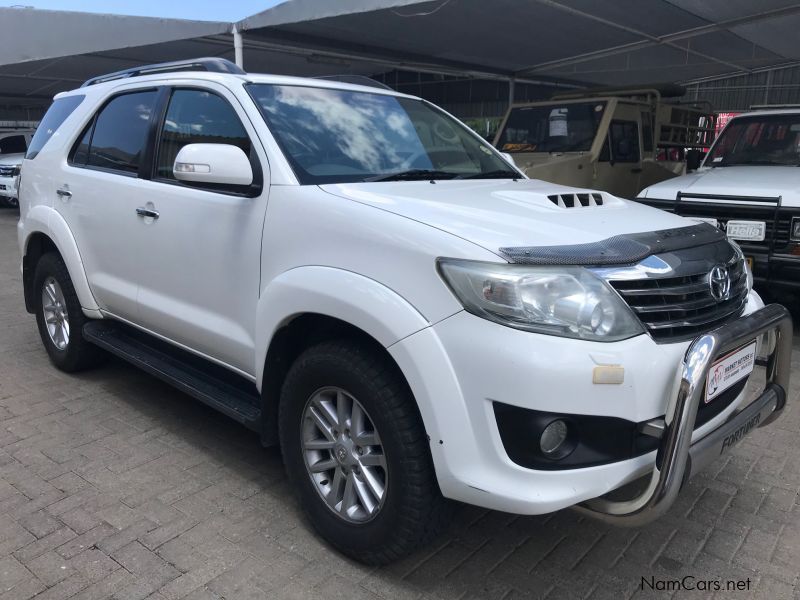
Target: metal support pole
x,y
238,53
511,85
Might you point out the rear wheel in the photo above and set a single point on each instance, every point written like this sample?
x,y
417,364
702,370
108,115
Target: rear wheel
x,y
357,454
60,318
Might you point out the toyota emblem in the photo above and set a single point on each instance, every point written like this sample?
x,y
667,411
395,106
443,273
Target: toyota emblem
x,y
719,282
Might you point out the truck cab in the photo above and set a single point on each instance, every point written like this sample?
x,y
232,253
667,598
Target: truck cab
x,y
618,141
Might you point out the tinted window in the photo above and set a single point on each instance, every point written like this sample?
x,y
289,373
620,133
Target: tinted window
x,y
624,142
13,144
197,117
120,132
58,112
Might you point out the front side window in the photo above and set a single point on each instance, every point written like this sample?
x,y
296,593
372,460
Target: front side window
x,y
116,139
758,140
569,127
197,117
13,144
58,112
337,136
622,143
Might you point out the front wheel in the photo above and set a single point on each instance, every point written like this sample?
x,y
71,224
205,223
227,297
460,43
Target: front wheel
x,y
60,318
357,454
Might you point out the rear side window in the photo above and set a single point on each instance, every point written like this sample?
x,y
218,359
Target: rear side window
x,y
197,117
13,144
58,112
116,138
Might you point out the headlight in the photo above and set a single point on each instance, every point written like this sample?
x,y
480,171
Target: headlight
x,y
740,257
563,301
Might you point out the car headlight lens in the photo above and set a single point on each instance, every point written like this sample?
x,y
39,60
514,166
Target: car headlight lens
x,y
740,257
563,301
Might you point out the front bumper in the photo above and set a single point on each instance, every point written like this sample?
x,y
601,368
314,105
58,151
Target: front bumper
x,y
677,456
8,188
459,368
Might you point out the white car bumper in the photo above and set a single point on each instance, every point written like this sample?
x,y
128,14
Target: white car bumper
x,y
460,367
8,187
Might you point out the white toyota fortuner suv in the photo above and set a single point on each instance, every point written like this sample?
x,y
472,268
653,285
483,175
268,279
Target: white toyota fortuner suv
x,y
357,276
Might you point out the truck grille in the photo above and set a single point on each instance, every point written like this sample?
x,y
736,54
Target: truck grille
x,y
7,170
678,308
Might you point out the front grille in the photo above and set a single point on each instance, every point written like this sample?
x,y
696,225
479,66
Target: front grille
x,y
7,170
678,308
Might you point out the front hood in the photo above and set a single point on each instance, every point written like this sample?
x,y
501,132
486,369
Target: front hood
x,y
11,159
501,213
731,181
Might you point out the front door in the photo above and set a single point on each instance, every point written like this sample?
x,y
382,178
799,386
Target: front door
x,y
204,246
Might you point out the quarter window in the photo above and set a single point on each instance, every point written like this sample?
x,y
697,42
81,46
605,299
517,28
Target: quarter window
x,y
197,117
58,112
117,137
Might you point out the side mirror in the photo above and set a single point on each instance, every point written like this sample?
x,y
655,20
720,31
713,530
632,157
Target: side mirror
x,y
693,159
509,158
213,163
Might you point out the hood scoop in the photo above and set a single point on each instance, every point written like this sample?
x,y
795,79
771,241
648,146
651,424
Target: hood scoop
x,y
580,200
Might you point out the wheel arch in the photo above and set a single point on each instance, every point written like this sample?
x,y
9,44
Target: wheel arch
x,y
308,305
44,231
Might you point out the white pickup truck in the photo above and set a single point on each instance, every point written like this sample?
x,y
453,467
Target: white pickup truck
x,y
749,186
355,275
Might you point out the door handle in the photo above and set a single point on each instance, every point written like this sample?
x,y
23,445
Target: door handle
x,y
64,194
146,212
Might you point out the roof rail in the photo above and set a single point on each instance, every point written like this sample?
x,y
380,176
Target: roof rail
x,y
356,80
211,65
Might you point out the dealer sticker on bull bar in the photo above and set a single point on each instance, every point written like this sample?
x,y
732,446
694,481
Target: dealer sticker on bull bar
x,y
730,369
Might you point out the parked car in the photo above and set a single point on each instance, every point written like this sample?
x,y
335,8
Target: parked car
x,y
619,140
748,186
357,276
13,144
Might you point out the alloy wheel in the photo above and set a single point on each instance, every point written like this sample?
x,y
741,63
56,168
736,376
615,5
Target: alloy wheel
x,y
343,455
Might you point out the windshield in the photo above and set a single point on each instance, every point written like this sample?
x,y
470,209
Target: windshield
x,y
758,140
551,128
340,136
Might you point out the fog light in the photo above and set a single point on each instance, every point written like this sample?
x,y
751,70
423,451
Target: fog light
x,y
553,437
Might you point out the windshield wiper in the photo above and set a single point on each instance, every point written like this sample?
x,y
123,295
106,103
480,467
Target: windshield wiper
x,y
413,175
498,174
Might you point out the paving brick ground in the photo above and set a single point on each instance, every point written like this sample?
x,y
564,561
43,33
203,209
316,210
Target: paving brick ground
x,y
112,484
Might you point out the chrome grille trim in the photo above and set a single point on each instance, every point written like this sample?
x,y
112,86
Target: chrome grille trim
x,y
674,308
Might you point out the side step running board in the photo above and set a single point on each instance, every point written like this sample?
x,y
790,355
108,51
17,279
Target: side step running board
x,y
216,386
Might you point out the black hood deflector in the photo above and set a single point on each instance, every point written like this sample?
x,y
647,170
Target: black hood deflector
x,y
623,249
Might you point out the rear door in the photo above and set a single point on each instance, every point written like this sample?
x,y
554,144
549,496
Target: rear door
x,y
205,246
99,191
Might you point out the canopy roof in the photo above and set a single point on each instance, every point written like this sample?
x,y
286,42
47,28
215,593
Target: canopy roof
x,y
618,42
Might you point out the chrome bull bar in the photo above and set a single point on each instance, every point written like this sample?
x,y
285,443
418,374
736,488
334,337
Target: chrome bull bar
x,y
676,454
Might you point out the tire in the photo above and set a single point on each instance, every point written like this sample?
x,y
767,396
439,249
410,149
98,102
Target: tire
x,y
412,510
72,352
9,202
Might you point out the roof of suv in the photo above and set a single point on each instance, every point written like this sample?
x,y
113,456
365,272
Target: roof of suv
x,y
224,78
